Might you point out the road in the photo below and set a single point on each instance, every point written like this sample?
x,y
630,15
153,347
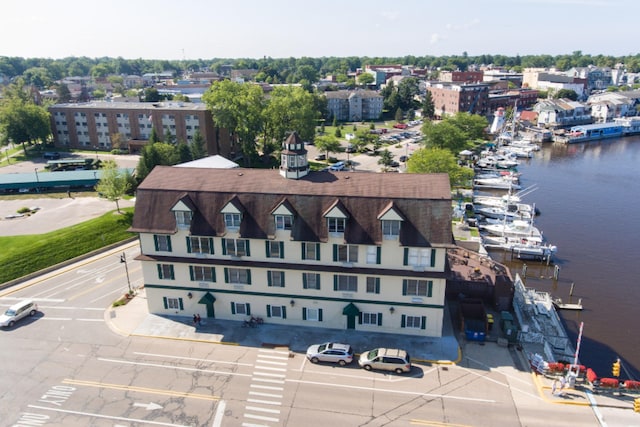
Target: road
x,y
65,366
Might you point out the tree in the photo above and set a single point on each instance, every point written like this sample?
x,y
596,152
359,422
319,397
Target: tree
x,y
198,149
386,158
444,135
168,137
237,107
328,144
289,109
399,115
151,94
568,94
183,152
473,125
113,184
365,79
64,94
428,107
438,160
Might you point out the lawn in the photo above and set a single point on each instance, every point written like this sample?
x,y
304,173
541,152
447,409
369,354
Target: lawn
x,y
22,255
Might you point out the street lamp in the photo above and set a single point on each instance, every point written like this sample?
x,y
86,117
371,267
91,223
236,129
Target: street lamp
x,y
123,260
96,148
37,179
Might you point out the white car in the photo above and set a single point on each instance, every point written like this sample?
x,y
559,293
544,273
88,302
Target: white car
x,y
337,166
341,354
18,311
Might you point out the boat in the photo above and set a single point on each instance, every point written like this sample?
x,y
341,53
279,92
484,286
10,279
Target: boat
x,y
510,211
516,228
593,132
557,302
630,125
533,247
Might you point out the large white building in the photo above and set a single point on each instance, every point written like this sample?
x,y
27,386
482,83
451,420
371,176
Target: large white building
x,y
345,250
354,105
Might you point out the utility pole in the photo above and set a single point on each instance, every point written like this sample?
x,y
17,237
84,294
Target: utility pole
x,y
123,260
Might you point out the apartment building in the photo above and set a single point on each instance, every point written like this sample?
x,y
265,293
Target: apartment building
x,y
349,105
451,98
92,125
344,250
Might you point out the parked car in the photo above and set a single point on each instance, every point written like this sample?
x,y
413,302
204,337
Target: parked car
x,y
18,311
321,157
51,155
337,166
400,126
403,158
332,352
387,359
350,148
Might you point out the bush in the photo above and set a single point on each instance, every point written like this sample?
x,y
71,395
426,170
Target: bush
x,y
24,210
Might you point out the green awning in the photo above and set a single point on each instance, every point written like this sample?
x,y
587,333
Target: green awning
x,y
207,298
351,310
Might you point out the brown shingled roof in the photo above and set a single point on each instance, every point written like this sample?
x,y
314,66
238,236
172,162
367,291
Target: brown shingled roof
x,y
424,199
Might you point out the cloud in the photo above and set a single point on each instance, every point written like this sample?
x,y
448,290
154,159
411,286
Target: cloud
x,y
463,26
390,16
435,38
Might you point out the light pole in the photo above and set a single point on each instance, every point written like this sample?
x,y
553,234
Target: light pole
x,y
96,148
123,260
37,180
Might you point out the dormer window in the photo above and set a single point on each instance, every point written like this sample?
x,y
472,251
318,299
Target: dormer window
x,y
336,225
391,221
284,222
391,229
232,221
183,219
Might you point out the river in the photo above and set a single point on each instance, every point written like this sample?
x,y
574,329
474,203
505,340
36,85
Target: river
x,y
589,195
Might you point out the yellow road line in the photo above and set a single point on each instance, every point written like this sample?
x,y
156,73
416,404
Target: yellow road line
x,y
437,424
140,389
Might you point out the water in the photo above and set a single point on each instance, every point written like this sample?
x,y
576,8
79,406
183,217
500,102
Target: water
x,y
589,198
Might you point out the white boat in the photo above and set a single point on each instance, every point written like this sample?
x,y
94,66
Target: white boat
x,y
516,228
505,175
557,302
510,211
495,183
521,247
497,162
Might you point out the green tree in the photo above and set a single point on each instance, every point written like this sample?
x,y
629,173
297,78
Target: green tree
x,y
386,158
365,79
428,107
237,107
64,94
289,109
328,144
113,184
444,135
473,125
399,116
407,91
183,152
198,149
568,94
151,94
437,160
168,137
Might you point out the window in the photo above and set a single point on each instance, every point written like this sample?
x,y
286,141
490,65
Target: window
x,y
239,276
240,308
202,274
414,322
310,280
423,288
274,249
235,247
419,257
371,318
232,220
336,225
345,253
373,285
345,283
162,243
165,272
173,303
275,278
312,314
277,311
311,251
183,219
199,245
373,254
390,229
284,222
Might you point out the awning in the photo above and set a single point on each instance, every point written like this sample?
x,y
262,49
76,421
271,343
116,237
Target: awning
x,y
207,298
351,310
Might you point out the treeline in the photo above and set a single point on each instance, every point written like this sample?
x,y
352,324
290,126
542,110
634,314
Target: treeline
x,y
42,72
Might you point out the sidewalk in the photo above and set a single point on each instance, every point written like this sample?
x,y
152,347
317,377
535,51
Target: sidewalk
x,y
134,319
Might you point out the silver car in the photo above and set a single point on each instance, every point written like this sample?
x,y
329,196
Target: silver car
x,y
341,354
18,311
387,359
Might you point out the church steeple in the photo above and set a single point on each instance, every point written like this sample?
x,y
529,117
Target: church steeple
x,y
293,158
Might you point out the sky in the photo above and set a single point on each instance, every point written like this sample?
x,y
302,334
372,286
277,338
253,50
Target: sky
x,y
208,29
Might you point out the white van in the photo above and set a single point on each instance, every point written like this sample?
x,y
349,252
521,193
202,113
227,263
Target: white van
x,y
18,311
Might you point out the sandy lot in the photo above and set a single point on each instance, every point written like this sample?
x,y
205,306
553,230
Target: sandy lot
x,y
53,213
